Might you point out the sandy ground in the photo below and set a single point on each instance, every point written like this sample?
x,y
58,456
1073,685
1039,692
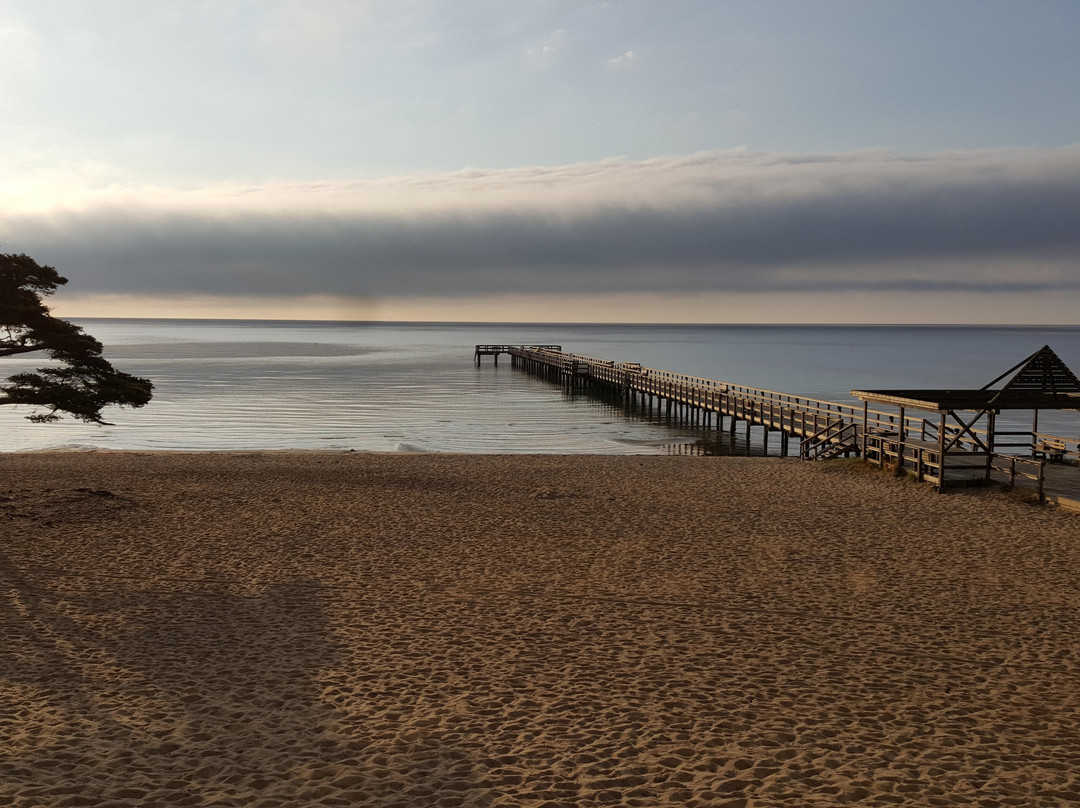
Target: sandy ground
x,y
370,630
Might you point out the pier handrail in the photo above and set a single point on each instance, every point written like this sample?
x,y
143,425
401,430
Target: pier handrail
x,y
876,418
508,348
699,390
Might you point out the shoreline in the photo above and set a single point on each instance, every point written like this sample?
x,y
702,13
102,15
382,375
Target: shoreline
x,y
333,627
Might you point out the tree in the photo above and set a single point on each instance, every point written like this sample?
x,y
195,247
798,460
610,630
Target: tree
x,y
80,382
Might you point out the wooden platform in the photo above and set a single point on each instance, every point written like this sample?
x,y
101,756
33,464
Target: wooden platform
x,y
818,429
1061,485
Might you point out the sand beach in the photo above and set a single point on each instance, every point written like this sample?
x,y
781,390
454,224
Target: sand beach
x,y
349,629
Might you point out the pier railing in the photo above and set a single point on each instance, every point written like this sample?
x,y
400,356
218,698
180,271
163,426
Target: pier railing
x,y
824,428
702,392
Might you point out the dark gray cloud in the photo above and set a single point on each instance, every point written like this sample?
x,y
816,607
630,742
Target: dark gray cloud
x,y
990,221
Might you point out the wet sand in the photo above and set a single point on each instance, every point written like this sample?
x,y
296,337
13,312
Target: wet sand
x,y
339,629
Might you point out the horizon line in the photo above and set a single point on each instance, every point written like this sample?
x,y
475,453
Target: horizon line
x,y
585,323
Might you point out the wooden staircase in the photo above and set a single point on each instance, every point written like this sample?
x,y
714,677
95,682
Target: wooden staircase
x,y
834,439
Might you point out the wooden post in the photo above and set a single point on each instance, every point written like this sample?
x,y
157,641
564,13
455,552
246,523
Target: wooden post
x,y
1034,431
903,439
865,426
941,453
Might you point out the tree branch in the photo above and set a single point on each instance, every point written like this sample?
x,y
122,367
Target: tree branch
x,y
11,350
79,381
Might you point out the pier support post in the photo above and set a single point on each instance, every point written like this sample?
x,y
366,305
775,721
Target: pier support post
x,y
901,449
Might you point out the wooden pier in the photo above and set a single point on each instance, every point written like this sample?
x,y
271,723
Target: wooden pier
x,y
937,450
494,351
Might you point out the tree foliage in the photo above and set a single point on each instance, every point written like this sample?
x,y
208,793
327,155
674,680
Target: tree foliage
x,y
79,381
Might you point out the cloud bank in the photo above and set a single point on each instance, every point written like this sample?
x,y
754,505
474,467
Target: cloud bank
x,y
987,221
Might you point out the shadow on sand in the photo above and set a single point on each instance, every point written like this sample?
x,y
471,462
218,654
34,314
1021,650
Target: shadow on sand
x,y
179,692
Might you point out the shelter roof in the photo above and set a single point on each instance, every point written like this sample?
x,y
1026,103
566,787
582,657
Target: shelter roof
x,y
1041,382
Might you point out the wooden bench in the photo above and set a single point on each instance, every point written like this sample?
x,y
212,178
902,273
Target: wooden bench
x,y
1049,449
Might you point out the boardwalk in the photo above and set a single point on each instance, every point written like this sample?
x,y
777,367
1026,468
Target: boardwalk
x,y
814,429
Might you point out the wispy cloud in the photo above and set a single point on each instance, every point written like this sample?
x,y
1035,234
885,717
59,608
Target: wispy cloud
x,y
734,221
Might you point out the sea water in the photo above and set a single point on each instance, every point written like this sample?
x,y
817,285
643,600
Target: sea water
x,y
248,385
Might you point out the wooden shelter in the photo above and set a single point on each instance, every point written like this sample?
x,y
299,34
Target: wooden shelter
x,y
965,439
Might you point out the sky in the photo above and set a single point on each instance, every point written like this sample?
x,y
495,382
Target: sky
x,y
547,160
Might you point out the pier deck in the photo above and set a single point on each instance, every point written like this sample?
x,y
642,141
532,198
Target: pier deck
x,y
936,452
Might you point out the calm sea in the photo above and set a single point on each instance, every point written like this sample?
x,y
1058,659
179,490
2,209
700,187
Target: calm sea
x,y
239,385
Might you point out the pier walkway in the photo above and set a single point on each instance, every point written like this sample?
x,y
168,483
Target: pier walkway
x,y
936,451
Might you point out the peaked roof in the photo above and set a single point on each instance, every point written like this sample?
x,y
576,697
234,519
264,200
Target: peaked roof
x,y
1042,381
1042,373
